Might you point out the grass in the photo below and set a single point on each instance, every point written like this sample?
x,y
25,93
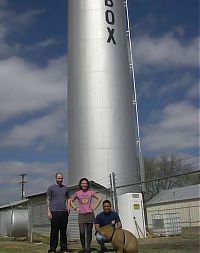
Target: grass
x,y
23,247
147,245
194,250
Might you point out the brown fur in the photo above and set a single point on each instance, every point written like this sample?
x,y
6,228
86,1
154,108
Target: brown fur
x,y
122,240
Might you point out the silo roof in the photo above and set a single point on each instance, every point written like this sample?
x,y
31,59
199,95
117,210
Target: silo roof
x,y
176,194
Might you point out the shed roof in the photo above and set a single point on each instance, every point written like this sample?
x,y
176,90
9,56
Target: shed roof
x,y
13,204
176,194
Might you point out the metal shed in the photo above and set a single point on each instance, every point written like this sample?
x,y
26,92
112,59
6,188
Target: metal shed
x,y
14,219
172,210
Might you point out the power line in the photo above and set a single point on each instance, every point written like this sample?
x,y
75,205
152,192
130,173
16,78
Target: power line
x,y
172,163
162,171
192,152
185,157
153,180
171,169
191,163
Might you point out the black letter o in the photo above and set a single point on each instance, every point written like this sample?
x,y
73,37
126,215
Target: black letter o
x,y
110,18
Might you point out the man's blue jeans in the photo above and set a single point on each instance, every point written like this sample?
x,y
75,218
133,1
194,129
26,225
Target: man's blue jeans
x,y
101,240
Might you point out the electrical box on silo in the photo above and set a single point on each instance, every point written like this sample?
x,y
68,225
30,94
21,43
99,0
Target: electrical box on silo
x,y
131,212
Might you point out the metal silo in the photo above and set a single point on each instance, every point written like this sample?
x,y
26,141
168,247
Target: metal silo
x,y
101,120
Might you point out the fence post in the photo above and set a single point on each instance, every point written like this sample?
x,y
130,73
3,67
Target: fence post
x,y
115,192
111,191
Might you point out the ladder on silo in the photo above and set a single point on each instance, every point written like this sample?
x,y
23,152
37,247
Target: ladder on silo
x,y
138,141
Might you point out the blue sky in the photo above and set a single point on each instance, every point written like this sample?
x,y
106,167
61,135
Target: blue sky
x,y
33,85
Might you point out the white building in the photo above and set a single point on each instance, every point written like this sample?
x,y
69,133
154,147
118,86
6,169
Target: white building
x,y
172,210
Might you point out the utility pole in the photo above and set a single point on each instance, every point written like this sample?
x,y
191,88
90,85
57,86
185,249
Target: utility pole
x,y
22,184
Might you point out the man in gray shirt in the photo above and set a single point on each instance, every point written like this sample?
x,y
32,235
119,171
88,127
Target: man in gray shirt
x,y
57,198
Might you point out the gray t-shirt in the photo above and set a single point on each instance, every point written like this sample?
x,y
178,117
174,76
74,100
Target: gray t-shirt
x,y
58,195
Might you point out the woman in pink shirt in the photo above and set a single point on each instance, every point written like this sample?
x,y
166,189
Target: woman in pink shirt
x,y
85,212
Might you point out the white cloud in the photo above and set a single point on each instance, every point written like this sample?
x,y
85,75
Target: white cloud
x,y
20,49
12,21
46,43
183,82
177,129
50,128
26,88
31,89
3,3
165,52
194,91
39,177
145,89
26,18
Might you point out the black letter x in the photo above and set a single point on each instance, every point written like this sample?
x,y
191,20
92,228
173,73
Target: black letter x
x,y
111,35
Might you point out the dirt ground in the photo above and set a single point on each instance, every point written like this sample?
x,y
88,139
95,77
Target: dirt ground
x,y
175,244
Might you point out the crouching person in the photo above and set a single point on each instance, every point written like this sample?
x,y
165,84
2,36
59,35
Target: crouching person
x,y
107,217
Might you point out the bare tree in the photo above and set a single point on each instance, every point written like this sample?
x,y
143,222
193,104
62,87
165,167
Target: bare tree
x,y
160,172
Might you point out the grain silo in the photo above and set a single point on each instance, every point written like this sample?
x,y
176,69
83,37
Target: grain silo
x,y
101,120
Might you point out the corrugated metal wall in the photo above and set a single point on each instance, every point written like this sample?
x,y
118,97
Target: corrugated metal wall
x,y
3,218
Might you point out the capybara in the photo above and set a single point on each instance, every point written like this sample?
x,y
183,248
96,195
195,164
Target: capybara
x,y
121,239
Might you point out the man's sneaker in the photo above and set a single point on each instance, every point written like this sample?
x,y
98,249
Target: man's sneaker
x,y
103,249
63,250
51,250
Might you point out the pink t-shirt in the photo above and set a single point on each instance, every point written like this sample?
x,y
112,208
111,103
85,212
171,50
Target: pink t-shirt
x,y
85,200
